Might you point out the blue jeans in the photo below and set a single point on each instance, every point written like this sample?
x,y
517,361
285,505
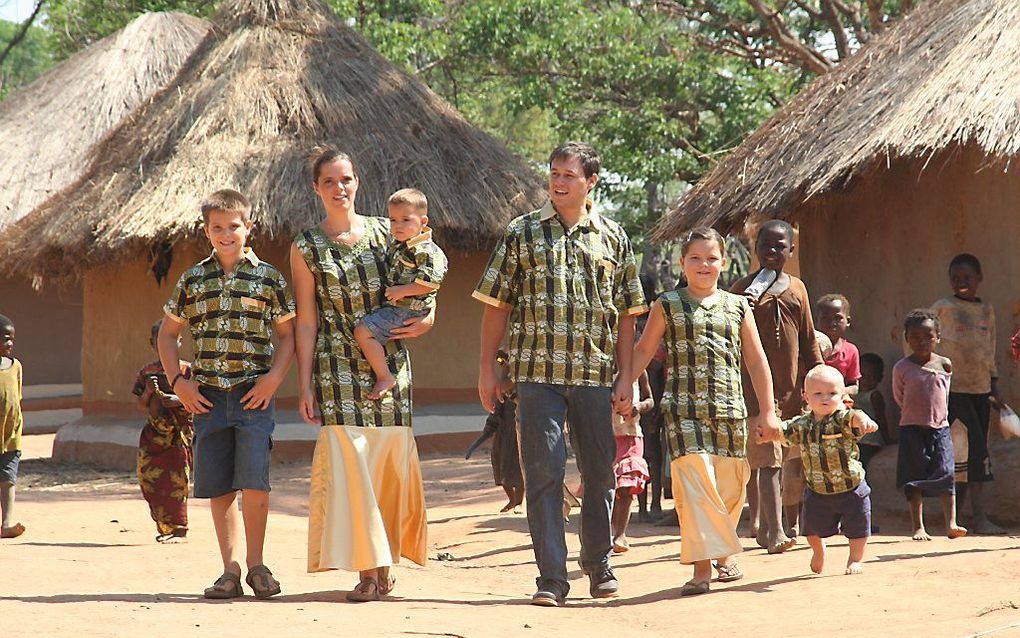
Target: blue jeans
x,y
232,445
542,410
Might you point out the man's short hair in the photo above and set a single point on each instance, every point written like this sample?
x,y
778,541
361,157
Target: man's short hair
x,y
590,160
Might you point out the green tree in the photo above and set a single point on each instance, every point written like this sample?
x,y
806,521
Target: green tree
x,y
26,61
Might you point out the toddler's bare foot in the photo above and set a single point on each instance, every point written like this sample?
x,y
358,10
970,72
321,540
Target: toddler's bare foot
x,y
956,532
13,531
382,388
854,568
818,560
920,534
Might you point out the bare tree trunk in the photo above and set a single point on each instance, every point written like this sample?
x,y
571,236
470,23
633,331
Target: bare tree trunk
x,y
836,27
809,58
876,17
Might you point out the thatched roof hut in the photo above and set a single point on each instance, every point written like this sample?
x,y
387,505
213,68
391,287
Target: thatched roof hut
x,y
276,78
48,127
943,77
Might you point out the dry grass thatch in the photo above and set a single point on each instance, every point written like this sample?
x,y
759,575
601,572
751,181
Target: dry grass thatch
x,y
48,127
276,78
945,75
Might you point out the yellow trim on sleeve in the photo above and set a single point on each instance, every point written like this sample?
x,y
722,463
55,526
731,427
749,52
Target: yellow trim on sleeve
x,y
492,301
427,284
637,310
174,317
287,317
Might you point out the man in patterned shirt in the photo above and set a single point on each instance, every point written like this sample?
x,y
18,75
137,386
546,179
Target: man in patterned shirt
x,y
565,280
231,301
837,496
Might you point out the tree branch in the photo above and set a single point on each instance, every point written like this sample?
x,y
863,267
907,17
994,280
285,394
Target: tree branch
x,y
836,28
807,57
22,32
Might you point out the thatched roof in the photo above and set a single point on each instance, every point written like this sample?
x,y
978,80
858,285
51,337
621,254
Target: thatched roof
x,y
48,127
943,76
276,78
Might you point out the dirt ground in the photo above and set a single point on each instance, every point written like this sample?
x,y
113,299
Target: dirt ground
x,y
88,566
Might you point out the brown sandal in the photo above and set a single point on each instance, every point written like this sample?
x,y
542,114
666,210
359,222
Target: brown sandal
x,y
226,586
367,591
261,581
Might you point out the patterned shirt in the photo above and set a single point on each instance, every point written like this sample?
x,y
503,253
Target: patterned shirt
x,y
566,290
230,317
703,405
828,451
417,261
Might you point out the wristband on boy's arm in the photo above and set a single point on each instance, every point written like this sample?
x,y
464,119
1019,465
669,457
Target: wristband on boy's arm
x,y
176,379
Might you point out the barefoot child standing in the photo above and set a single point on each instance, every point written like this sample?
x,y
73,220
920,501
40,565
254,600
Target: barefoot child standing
x,y
837,499
920,387
415,269
10,428
232,302
708,333
630,466
164,448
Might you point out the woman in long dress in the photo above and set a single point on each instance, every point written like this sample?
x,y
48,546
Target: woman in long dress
x,y
366,501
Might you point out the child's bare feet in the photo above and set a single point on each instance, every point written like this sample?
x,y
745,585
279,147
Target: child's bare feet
x,y
506,508
621,544
13,531
818,559
854,568
382,387
955,531
920,534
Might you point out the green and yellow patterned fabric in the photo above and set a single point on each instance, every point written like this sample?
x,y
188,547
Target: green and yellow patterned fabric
x,y
566,290
230,317
828,451
703,404
419,261
349,284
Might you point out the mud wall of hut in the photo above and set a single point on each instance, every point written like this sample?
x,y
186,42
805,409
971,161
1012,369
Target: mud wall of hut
x,y
887,241
121,301
48,324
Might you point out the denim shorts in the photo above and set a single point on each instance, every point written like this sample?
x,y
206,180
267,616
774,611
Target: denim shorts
x,y
9,466
232,445
380,322
826,515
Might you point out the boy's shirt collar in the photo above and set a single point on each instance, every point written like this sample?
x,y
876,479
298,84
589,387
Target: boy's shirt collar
x,y
424,236
590,218
248,255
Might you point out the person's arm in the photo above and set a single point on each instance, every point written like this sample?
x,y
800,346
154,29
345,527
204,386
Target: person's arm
x,y
995,398
623,389
810,354
645,349
429,270
415,327
265,387
306,327
413,289
170,356
494,320
761,376
861,424
897,386
646,402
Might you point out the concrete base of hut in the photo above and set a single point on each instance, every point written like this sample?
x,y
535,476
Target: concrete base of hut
x,y
113,442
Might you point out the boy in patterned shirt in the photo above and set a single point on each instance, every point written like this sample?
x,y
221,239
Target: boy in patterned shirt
x,y
837,496
231,302
415,269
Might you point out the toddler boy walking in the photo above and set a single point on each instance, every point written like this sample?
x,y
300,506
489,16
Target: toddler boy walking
x,y
232,301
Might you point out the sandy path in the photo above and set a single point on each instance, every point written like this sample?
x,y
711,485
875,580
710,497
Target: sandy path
x,y
89,567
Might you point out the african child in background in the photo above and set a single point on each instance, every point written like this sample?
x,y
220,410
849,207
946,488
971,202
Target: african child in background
x,y
650,500
10,428
838,496
920,387
709,334
869,400
968,340
164,448
415,269
630,467
832,317
502,425
782,314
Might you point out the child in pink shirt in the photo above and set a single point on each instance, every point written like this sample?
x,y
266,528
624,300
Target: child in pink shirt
x,y
832,317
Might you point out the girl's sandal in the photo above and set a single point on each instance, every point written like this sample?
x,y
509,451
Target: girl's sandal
x,y
728,573
261,581
694,588
226,586
367,591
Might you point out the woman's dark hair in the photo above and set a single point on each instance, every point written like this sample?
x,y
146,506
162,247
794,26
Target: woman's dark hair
x,y
966,259
918,316
324,155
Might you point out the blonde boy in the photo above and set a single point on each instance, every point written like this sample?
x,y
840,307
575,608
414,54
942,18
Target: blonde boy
x,y
232,301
